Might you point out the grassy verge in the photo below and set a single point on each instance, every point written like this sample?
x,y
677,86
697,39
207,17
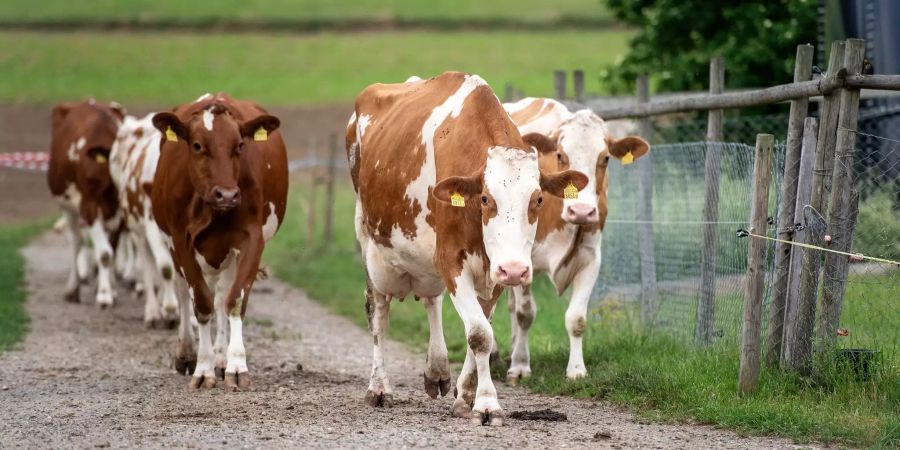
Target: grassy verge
x,y
13,320
662,378
249,10
169,68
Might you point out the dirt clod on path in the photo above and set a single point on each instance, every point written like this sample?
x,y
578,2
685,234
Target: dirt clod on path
x,y
91,378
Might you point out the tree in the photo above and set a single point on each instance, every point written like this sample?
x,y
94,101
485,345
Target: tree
x,y
676,39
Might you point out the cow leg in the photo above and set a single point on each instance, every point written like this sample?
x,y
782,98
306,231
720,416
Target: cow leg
x,y
576,318
378,308
127,255
437,366
237,375
525,309
151,301
163,264
77,242
185,354
223,285
485,407
204,374
103,254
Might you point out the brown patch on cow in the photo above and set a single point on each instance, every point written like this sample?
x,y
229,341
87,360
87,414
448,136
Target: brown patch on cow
x,y
526,289
488,207
166,273
478,340
525,318
530,112
578,327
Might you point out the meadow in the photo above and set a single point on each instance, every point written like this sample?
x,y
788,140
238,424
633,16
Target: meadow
x,y
13,319
660,375
169,68
300,10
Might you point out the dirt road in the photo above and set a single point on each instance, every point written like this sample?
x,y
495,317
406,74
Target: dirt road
x,y
91,378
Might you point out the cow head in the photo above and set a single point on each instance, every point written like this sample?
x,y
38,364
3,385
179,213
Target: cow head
x,y
509,190
215,140
584,144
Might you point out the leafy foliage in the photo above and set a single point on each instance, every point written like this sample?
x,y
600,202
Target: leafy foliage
x,y
677,38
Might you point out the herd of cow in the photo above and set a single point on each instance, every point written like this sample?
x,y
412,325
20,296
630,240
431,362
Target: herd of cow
x,y
456,192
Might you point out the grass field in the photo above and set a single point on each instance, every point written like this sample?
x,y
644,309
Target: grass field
x,y
662,378
64,10
164,69
13,320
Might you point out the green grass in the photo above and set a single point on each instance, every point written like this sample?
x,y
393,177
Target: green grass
x,y
94,10
164,69
13,320
660,376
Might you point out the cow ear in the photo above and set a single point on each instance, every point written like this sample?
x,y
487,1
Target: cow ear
x,y
118,109
556,183
165,121
543,144
634,145
468,187
265,121
60,111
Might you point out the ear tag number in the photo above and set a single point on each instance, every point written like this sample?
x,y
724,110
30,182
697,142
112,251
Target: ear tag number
x,y
457,200
170,135
100,158
261,134
627,159
570,191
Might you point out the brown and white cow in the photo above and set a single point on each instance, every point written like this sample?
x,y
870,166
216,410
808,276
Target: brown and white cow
x,y
448,196
78,177
132,163
567,245
219,194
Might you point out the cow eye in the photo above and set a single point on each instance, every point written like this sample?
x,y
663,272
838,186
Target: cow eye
x,y
540,201
197,147
484,200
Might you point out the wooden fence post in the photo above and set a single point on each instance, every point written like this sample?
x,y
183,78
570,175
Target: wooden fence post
x,y
645,216
578,85
748,377
559,84
799,311
828,120
334,146
706,306
508,93
842,220
799,107
311,211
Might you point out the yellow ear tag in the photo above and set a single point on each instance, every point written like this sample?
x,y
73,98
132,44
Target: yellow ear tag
x,y
627,159
457,200
100,158
570,191
170,135
261,135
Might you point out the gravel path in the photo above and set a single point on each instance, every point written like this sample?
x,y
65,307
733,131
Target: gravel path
x,y
91,378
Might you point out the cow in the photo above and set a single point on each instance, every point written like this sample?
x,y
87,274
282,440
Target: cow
x,y
448,195
132,162
78,178
567,245
219,194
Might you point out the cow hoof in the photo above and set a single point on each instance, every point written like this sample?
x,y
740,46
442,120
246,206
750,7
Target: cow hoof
x,y
237,381
435,387
72,296
379,400
513,380
220,373
205,381
495,357
168,324
461,409
576,374
514,376
491,418
185,365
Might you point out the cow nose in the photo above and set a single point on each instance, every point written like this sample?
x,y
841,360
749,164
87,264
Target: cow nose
x,y
513,273
226,198
581,213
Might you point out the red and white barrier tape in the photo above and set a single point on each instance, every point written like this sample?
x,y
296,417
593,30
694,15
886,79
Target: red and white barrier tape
x,y
30,161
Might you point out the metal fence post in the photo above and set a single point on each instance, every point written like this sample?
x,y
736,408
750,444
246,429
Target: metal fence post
x,y
706,306
559,84
645,216
578,85
799,107
333,148
800,310
842,220
748,377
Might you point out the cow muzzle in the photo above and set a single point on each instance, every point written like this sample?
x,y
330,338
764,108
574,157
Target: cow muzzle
x,y
581,214
513,273
224,199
